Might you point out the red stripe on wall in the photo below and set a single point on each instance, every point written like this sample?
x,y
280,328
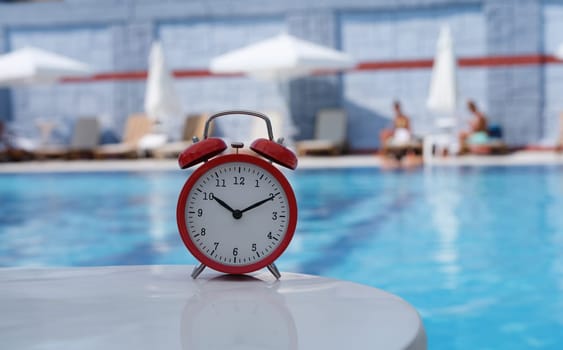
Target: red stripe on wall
x,y
142,75
138,75
386,65
201,73
488,61
495,61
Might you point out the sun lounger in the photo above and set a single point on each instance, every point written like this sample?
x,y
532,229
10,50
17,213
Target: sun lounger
x,y
259,129
330,133
136,126
13,147
491,147
4,142
282,127
85,138
193,126
411,146
486,143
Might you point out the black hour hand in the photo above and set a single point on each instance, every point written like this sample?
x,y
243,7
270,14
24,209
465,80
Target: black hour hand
x,y
223,204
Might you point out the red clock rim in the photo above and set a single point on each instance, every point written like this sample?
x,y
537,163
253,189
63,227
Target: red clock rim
x,y
181,210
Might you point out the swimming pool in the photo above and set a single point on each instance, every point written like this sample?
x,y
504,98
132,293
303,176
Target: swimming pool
x,y
478,251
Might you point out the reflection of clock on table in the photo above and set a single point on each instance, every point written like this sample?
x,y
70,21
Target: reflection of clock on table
x,y
250,314
237,212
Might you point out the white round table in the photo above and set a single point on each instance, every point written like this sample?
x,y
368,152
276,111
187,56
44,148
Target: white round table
x,y
162,307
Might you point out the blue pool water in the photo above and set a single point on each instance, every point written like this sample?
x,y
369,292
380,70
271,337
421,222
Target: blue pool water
x,y
478,251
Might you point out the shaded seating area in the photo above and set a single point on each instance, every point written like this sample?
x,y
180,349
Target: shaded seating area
x,y
84,140
194,126
136,126
330,134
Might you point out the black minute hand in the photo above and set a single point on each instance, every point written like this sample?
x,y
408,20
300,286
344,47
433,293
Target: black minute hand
x,y
223,204
259,203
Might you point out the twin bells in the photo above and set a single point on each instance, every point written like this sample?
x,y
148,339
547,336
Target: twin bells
x,y
211,146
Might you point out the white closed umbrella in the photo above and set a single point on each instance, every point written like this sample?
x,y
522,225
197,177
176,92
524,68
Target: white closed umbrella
x,y
30,65
559,52
443,94
442,98
281,58
162,102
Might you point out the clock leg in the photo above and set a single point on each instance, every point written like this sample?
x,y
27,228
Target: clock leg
x,y
197,270
274,270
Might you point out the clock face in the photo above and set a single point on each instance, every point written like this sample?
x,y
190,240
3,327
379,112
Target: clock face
x,y
237,213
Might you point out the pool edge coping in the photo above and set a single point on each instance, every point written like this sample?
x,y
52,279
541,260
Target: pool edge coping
x,y
524,158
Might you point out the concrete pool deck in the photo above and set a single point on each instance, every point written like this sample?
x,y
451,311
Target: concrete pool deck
x,y
521,158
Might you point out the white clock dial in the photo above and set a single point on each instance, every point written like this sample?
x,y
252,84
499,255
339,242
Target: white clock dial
x,y
237,213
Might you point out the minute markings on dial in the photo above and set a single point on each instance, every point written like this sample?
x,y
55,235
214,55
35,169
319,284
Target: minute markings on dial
x,y
236,198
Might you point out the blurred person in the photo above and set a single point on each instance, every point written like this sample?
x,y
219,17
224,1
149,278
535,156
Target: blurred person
x,y
400,132
477,134
398,143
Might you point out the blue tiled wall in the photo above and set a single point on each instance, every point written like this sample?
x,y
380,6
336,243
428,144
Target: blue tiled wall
x,y
308,95
65,102
115,35
191,44
406,35
515,95
552,14
5,104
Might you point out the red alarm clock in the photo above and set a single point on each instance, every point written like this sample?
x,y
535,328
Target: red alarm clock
x,y
237,212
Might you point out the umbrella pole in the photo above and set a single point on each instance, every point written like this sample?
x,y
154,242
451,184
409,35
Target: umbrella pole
x,y
288,128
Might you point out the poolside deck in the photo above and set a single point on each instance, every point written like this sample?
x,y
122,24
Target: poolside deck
x,y
521,158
